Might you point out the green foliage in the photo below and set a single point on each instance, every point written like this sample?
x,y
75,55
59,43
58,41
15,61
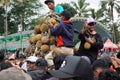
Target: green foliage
x,y
2,20
69,8
21,12
81,7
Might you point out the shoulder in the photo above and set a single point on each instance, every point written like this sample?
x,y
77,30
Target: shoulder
x,y
59,6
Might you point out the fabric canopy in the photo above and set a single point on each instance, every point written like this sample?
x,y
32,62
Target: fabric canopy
x,y
110,45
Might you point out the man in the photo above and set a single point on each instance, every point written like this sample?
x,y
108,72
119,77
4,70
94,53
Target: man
x,y
64,32
73,68
39,73
31,62
13,74
51,5
91,41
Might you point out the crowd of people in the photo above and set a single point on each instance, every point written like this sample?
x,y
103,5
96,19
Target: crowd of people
x,y
68,64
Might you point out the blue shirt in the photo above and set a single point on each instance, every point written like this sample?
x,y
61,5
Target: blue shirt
x,y
58,9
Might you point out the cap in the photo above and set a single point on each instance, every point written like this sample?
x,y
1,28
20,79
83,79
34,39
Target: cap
x,y
66,14
32,59
13,74
73,66
49,1
41,62
90,20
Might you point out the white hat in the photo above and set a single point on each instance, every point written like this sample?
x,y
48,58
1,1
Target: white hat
x,y
90,20
32,59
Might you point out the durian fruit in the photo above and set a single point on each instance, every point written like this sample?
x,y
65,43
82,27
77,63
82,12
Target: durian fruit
x,y
44,27
44,48
38,37
27,49
52,20
45,39
52,40
42,20
32,40
38,44
33,50
37,29
87,45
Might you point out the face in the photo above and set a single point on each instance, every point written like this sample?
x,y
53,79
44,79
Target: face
x,y
62,17
50,5
97,72
30,65
91,26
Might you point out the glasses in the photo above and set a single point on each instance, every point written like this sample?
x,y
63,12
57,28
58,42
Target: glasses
x,y
91,24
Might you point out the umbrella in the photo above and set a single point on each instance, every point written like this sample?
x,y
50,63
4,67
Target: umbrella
x,y
100,28
110,45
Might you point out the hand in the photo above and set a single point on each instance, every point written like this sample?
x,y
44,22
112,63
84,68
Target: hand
x,y
116,62
84,27
85,24
50,24
89,40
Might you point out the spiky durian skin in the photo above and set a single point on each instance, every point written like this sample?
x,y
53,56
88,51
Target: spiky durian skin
x,y
44,28
44,48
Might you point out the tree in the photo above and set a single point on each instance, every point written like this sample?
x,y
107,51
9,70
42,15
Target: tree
x,y
22,12
1,20
81,8
69,8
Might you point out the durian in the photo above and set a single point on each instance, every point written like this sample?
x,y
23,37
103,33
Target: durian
x,y
38,44
45,39
32,40
52,40
44,28
87,45
38,37
37,29
52,20
44,48
42,20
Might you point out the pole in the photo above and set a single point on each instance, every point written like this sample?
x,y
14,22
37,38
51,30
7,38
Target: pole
x,y
6,29
21,41
5,45
21,26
